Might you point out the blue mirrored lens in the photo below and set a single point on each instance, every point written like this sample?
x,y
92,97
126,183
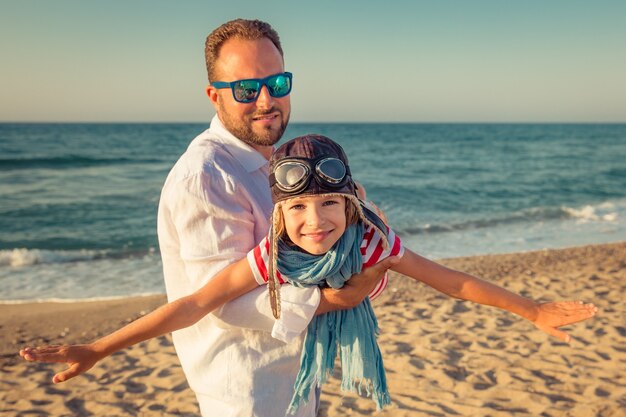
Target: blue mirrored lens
x,y
279,85
246,90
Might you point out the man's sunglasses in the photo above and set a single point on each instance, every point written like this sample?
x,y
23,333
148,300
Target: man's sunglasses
x,y
247,91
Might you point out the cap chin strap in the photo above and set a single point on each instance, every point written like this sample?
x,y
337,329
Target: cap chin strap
x,y
273,285
374,219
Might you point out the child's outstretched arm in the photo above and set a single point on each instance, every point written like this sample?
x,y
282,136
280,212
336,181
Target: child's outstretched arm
x,y
230,283
546,316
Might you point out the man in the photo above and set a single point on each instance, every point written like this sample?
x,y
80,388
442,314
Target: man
x,y
215,206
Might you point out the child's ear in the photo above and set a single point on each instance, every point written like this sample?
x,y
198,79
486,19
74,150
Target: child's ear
x,y
360,190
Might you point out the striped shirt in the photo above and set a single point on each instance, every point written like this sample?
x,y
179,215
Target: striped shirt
x,y
372,250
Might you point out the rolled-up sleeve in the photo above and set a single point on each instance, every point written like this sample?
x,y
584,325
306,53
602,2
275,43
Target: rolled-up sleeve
x,y
215,226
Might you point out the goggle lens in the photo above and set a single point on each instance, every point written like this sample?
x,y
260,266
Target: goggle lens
x,y
331,169
290,174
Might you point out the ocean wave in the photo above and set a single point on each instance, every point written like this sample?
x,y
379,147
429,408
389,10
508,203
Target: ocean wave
x,y
68,162
22,257
603,212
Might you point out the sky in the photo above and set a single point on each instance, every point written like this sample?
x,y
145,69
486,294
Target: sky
x,y
353,61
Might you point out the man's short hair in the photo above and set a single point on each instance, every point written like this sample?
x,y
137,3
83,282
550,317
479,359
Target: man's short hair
x,y
238,28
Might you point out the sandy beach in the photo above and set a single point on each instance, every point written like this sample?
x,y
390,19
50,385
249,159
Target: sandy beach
x,y
443,357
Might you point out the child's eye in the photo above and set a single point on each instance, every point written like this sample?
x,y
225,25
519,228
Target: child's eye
x,y
297,207
330,202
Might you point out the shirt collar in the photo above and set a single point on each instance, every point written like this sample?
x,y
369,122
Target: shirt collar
x,y
247,156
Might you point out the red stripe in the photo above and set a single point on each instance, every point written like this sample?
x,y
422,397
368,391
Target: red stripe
x,y
373,295
375,255
396,246
367,239
385,284
258,259
265,269
380,287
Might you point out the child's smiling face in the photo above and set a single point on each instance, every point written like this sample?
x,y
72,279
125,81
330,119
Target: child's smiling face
x,y
315,223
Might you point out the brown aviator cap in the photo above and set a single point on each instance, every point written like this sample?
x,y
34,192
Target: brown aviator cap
x,y
312,148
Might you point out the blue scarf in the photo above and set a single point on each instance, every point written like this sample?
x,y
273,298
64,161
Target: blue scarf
x,y
353,331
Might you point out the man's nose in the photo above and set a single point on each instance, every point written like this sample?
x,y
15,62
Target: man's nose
x,y
265,100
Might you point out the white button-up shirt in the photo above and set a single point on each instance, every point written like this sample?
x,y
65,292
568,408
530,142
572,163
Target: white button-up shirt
x,y
215,207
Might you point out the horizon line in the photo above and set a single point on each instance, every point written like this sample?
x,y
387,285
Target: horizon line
x,y
317,122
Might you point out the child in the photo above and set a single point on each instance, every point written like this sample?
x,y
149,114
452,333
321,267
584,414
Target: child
x,y
321,235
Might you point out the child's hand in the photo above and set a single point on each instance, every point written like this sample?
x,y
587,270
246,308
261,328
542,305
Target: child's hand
x,y
551,316
80,358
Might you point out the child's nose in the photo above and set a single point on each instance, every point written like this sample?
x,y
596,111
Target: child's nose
x,y
315,217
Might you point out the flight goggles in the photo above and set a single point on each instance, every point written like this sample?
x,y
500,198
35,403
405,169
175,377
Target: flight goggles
x,y
292,175
247,91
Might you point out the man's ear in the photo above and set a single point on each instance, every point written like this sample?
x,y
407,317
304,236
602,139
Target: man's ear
x,y
211,93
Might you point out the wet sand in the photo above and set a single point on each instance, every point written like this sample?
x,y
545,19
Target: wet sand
x,y
443,357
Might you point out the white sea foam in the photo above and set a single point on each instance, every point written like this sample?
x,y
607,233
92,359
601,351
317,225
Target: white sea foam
x,y
93,278
606,212
20,257
586,224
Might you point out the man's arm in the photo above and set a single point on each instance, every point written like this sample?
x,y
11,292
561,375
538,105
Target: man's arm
x,y
355,289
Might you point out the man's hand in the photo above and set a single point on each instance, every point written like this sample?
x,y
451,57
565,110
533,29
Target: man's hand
x,y
551,316
79,358
355,289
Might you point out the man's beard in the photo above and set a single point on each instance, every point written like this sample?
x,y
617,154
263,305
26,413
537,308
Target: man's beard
x,y
242,130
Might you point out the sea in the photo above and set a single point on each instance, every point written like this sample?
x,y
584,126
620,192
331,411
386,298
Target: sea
x,y
78,202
